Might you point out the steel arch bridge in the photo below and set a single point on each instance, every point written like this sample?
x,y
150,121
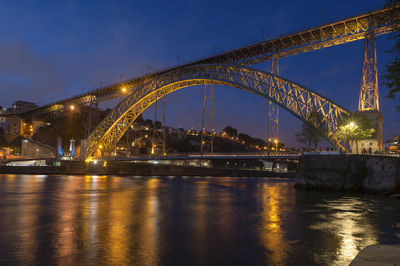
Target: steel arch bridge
x,y
296,99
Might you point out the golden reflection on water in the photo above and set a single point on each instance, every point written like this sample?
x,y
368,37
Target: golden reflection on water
x,y
116,221
347,221
273,236
148,232
120,211
89,214
65,231
28,206
117,209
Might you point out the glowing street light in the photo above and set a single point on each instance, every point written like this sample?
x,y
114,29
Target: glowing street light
x,y
276,142
72,107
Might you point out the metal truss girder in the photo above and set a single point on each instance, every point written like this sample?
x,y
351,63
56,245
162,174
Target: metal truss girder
x,y
369,92
319,37
291,96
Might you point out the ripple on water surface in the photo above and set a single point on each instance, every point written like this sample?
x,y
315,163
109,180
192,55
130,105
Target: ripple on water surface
x,y
185,220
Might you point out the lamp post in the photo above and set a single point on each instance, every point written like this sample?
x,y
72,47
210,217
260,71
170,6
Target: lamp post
x,y
351,126
269,146
276,145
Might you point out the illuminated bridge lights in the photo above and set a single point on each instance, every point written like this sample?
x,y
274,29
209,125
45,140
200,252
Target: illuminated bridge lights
x,y
291,96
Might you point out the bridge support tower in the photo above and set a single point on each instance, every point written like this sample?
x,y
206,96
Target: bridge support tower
x,y
368,102
158,142
207,120
273,111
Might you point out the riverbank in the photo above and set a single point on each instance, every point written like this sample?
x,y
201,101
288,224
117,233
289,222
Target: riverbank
x,y
378,255
356,173
140,169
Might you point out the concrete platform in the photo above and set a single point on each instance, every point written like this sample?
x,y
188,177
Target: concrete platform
x,y
378,255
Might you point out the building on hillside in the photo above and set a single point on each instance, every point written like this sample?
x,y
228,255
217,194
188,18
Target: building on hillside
x,y
3,121
14,127
22,106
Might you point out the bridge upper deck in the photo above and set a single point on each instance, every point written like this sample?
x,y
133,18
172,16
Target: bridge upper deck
x,y
313,38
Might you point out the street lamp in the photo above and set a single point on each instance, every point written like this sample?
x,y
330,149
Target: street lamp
x,y
72,107
351,127
276,142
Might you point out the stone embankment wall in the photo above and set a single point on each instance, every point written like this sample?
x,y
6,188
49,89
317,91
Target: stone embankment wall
x,y
363,173
142,169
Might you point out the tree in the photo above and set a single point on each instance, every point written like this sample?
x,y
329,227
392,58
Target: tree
x,y
313,130
149,122
157,124
244,137
139,120
230,131
355,127
392,70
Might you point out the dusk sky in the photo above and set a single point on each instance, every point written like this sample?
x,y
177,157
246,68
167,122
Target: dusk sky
x,y
50,50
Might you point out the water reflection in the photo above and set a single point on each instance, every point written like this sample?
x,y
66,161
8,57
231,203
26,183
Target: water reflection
x,y
89,212
275,204
200,220
346,219
148,231
150,221
28,206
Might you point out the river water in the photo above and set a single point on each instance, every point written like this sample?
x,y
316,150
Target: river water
x,y
117,220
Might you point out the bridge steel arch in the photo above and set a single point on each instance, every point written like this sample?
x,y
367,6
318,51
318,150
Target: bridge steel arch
x,y
296,99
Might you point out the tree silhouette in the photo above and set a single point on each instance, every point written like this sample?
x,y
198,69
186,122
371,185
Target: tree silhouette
x,y
313,130
230,131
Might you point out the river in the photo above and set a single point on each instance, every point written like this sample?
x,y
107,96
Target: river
x,y
114,220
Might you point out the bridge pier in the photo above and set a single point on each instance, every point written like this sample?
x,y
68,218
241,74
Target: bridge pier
x,y
360,173
368,102
375,143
